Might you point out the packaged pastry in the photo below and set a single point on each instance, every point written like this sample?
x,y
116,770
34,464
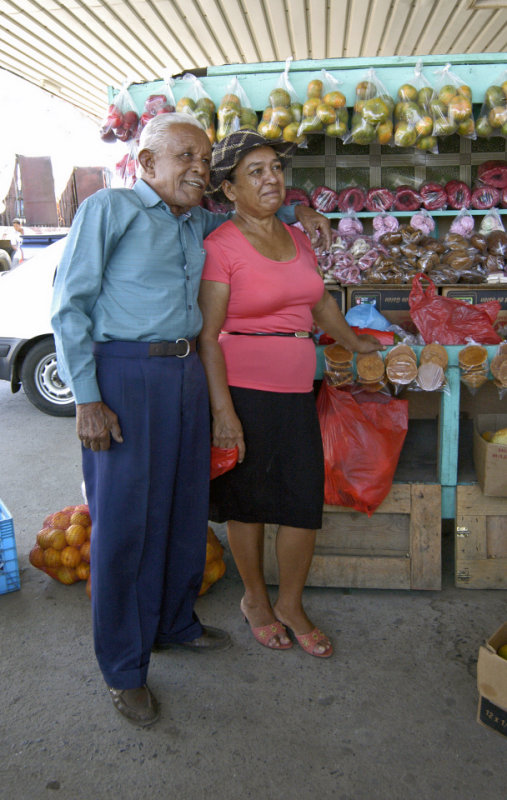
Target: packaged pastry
x,y
473,363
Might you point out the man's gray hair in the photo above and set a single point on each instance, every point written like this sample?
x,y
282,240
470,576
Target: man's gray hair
x,y
154,134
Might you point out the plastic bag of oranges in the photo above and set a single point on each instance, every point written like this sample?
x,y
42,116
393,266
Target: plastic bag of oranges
x,y
413,115
282,116
372,119
235,111
197,102
492,119
62,549
325,108
215,565
452,106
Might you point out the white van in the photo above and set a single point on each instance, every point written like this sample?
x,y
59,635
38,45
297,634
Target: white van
x,y
27,347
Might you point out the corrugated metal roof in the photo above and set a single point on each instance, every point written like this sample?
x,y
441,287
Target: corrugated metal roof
x,y
77,48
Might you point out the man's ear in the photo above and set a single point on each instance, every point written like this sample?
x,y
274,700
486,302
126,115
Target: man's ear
x,y
146,159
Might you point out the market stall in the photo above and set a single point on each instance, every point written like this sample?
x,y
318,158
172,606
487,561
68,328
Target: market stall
x,y
390,139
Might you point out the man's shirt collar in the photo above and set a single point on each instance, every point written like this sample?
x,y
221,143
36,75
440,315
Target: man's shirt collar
x,y
150,198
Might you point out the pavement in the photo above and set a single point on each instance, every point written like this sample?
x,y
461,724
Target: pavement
x,y
391,715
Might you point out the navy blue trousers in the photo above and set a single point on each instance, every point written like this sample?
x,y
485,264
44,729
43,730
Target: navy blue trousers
x,y
148,499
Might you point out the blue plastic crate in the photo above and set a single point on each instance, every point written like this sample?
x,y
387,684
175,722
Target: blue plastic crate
x,y
9,569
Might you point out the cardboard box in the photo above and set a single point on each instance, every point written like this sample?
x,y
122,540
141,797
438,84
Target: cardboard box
x,y
492,683
390,300
490,460
480,293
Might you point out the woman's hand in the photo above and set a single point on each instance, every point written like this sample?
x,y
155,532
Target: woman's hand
x,y
316,225
228,432
368,344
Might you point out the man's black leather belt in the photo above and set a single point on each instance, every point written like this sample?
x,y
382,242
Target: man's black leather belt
x,y
297,334
180,348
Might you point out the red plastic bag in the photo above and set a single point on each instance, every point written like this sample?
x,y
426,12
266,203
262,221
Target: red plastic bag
x,y
222,460
447,320
362,442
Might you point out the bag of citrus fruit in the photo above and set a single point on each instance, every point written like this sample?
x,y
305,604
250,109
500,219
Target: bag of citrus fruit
x,y
282,116
492,119
235,111
413,117
372,118
197,102
452,106
325,108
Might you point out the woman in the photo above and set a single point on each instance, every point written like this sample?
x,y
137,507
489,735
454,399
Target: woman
x,y
259,295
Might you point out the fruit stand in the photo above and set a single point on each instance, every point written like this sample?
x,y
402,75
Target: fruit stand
x,y
399,547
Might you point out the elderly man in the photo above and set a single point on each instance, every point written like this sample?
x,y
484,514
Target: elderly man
x,y
125,318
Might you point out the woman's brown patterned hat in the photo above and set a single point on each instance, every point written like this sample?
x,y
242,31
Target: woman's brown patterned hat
x,y
232,148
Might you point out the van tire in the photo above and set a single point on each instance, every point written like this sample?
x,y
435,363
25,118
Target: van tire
x,y
41,382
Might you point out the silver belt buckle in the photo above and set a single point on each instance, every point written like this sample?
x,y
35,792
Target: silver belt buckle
x,y
301,334
184,355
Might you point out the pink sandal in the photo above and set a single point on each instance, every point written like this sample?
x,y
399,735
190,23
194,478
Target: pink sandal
x,y
308,642
265,633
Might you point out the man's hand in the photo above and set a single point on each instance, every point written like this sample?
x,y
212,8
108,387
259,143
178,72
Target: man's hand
x,y
316,225
95,424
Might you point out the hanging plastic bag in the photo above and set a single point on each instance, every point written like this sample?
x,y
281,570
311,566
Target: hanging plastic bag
x,y
372,120
413,115
463,224
197,102
452,106
362,442
161,102
281,117
127,166
223,459
235,111
492,119
122,119
491,221
448,320
423,221
325,108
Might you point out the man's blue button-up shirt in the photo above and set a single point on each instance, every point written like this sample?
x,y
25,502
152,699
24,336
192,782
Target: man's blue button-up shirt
x,y
130,271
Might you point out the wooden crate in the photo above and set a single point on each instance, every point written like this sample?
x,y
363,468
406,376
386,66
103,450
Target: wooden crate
x,y
398,547
480,540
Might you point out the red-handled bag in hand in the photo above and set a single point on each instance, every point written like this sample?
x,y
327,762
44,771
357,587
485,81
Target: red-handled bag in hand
x,y
362,444
222,460
447,320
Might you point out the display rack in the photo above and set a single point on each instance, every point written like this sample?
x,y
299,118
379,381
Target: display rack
x,y
448,424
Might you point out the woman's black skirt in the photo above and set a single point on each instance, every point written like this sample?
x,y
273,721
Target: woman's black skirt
x,y
281,480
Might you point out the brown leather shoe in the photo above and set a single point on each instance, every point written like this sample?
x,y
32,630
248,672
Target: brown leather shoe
x,y
210,639
139,706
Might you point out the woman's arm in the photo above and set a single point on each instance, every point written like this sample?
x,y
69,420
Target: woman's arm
x,y
330,319
227,429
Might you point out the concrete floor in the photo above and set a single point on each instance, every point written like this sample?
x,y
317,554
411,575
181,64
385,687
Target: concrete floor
x,y
390,716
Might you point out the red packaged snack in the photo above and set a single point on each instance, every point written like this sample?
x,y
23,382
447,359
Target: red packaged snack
x,y
493,173
407,199
351,199
294,195
433,196
458,194
324,199
379,199
485,197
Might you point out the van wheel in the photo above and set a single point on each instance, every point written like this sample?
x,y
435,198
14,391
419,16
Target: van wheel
x,y
5,261
41,382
